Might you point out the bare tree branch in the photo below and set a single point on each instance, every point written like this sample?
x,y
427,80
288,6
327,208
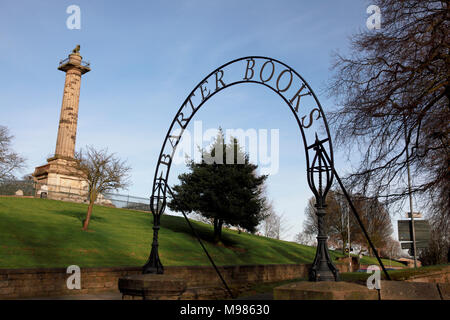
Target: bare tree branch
x,y
10,161
393,94
103,172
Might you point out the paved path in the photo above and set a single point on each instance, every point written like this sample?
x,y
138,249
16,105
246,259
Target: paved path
x,y
259,296
98,296
118,296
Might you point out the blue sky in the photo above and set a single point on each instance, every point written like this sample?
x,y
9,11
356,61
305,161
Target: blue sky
x,y
146,56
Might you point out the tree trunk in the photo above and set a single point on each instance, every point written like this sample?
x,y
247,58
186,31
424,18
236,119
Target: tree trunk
x,y
88,215
217,230
369,249
448,255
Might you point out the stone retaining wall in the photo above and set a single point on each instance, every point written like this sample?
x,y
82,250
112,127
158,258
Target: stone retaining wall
x,y
44,282
22,283
438,276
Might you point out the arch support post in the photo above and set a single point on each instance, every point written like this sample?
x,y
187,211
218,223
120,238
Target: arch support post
x,y
320,178
322,268
154,264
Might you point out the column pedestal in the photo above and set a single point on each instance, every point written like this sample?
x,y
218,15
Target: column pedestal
x,y
62,180
324,290
151,287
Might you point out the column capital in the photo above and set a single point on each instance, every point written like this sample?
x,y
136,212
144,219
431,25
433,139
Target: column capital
x,y
74,61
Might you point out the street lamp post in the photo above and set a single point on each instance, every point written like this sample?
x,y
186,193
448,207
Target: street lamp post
x,y
154,265
410,195
348,240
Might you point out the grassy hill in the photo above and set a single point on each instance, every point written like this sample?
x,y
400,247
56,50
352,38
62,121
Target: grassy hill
x,y
47,233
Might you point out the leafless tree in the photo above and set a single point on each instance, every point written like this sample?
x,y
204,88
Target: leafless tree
x,y
103,172
392,249
393,96
9,160
336,220
373,214
274,225
376,220
438,251
305,239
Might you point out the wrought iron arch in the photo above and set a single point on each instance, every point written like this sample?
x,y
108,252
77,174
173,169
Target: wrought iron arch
x,y
319,167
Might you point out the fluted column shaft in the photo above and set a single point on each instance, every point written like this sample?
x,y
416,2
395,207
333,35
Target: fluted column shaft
x,y
67,130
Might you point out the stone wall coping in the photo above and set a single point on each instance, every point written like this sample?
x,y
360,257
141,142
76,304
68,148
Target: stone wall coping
x,y
136,268
63,270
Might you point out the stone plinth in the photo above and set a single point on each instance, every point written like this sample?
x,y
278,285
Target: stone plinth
x,y
325,290
58,167
62,179
401,290
151,287
444,289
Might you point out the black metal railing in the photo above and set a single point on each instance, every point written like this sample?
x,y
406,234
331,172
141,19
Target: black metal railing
x,y
32,188
61,62
83,63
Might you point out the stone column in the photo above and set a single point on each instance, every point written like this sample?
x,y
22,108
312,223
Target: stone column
x,y
60,175
67,130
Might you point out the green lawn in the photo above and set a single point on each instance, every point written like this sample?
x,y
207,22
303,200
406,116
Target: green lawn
x,y
398,275
47,233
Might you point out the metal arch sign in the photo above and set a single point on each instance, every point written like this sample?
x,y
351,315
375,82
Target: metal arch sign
x,y
269,72
307,111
